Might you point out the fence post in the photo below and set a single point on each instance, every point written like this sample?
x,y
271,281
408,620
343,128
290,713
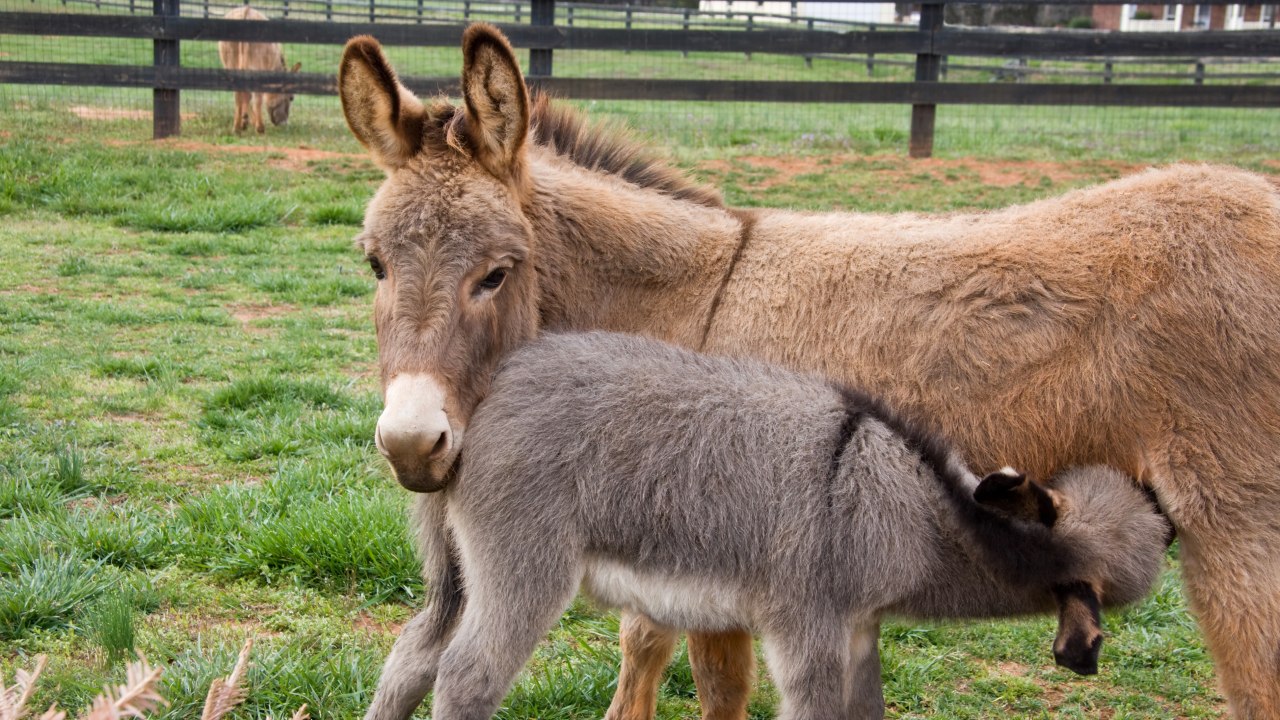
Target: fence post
x,y
519,18
684,25
751,25
927,66
285,10
1200,72
541,12
569,15
808,59
373,10
871,57
1106,72
627,51
466,10
166,114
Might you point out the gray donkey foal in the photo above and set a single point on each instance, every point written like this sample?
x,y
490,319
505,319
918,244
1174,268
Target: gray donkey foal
x,y
711,493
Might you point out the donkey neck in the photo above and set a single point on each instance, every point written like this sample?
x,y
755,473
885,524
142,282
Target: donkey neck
x,y
615,256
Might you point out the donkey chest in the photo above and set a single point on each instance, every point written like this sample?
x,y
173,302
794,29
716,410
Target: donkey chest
x,y
686,601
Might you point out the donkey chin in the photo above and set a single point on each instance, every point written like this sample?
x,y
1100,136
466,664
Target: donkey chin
x,y
427,476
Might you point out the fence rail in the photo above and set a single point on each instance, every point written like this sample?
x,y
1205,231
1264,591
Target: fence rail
x,y
931,43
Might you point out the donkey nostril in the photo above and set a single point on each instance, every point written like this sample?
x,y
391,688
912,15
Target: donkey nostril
x,y
441,447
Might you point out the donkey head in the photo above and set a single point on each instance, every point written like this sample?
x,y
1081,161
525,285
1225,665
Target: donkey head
x,y
1109,524
278,103
447,240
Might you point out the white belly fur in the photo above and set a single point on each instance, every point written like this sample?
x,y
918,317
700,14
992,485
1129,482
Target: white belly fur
x,y
683,602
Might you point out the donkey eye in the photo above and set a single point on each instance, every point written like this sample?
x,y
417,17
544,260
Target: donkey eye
x,y
493,280
376,266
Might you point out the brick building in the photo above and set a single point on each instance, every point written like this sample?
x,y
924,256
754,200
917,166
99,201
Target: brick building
x,y
1166,18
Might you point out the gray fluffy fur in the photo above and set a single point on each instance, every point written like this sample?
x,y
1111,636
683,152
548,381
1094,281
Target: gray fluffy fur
x,y
711,493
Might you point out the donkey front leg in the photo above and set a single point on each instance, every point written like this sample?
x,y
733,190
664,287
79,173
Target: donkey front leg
x,y
646,650
256,105
864,691
501,625
410,670
809,661
242,112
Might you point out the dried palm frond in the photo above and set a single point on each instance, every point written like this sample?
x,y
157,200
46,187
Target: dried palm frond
x,y
226,693
13,700
138,696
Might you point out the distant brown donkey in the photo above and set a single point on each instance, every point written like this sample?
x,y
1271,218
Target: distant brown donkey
x,y
1134,324
255,56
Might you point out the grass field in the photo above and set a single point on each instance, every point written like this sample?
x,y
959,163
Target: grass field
x,y
187,399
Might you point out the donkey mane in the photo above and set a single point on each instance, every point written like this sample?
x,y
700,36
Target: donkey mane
x,y
608,149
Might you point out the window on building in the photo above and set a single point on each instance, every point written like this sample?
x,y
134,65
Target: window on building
x,y
1170,12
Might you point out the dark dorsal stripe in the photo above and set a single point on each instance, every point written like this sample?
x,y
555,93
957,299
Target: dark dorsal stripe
x,y
747,223
1025,553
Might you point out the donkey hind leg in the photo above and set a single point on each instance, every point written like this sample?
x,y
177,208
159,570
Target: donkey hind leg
x,y
723,669
1232,574
863,690
808,662
500,628
646,650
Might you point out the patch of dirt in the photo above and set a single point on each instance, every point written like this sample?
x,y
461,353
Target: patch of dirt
x,y
295,159
89,112
366,623
248,314
28,289
1012,668
93,503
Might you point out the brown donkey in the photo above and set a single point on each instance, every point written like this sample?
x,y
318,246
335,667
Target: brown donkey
x,y
1132,324
255,56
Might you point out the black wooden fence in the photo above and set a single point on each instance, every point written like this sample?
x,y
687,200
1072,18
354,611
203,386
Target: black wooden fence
x,y
930,42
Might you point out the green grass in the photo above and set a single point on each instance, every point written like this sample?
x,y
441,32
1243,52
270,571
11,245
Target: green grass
x,y
188,393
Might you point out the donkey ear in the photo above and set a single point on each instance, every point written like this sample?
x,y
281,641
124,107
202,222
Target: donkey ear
x,y
497,101
296,67
383,115
1008,492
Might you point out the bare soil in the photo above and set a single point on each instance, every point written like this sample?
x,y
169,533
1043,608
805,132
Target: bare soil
x,y
88,112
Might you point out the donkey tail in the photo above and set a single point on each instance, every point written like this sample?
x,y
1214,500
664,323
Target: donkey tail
x,y
410,670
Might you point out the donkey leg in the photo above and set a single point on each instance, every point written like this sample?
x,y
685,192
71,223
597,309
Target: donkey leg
x,y
1232,574
242,112
646,650
410,670
809,661
864,691
256,104
498,634
723,669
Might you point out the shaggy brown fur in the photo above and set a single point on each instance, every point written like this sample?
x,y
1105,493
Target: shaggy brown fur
x,y
255,56
1131,324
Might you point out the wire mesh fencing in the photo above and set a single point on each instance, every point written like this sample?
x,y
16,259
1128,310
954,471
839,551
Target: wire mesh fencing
x,y
1072,129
